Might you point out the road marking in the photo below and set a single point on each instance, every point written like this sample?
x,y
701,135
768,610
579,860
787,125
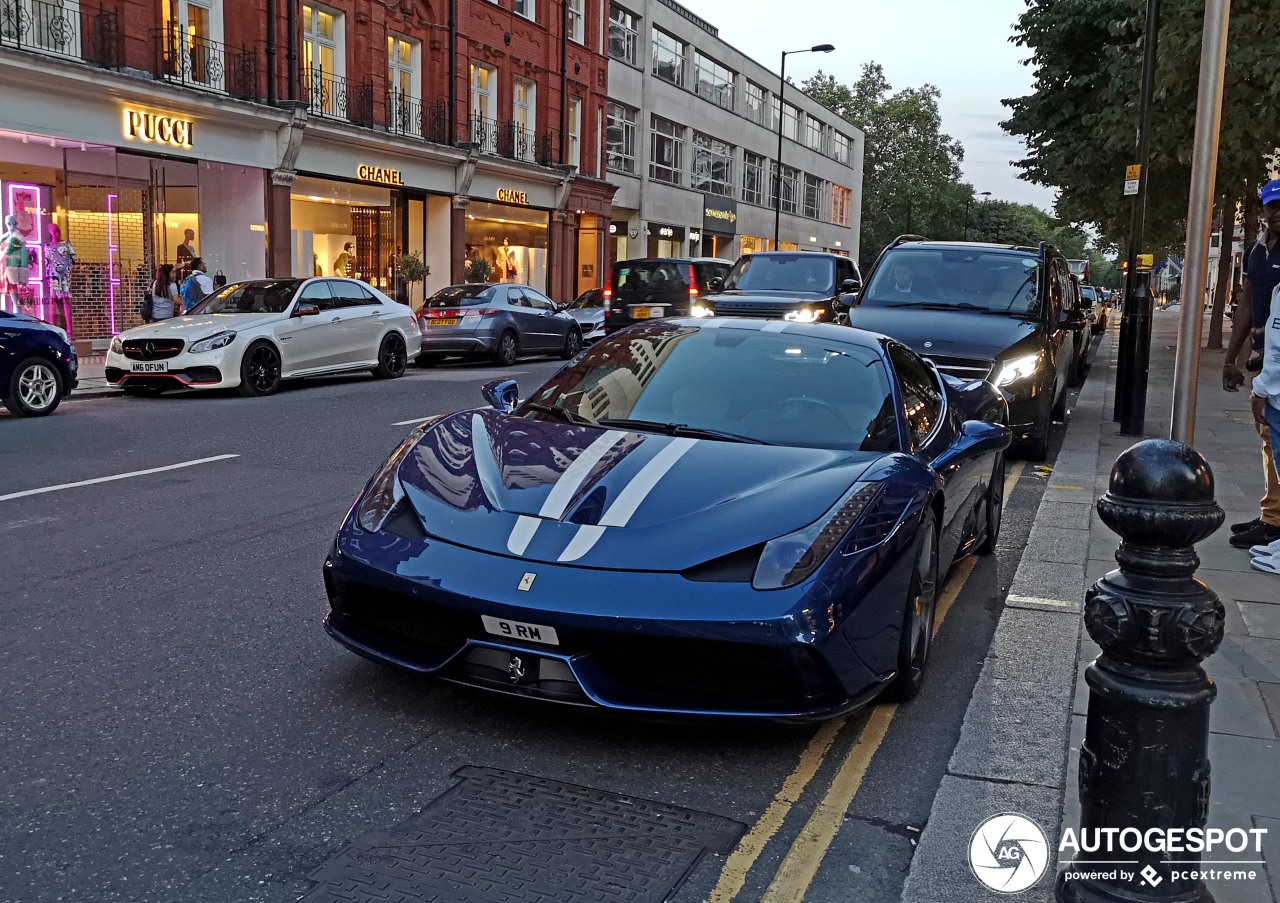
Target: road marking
x,y
1033,600
1072,488
119,476
801,863
800,866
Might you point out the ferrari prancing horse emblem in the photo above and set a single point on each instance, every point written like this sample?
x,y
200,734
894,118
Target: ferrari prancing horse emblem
x,y
526,582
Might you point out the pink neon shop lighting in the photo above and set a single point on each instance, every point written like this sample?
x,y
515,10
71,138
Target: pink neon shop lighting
x,y
35,247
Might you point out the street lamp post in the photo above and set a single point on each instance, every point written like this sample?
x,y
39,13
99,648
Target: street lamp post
x,y
777,165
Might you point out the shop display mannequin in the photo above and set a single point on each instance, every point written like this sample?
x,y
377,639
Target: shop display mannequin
x,y
508,269
60,258
16,265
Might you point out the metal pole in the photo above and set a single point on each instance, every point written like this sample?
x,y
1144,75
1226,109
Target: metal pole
x,y
777,165
966,217
1135,325
1204,170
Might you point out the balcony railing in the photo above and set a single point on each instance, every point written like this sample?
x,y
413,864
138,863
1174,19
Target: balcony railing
x,y
332,95
509,139
62,29
408,117
197,62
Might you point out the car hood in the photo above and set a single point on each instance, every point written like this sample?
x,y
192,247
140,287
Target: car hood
x,y
734,296
611,498
960,333
595,316
193,328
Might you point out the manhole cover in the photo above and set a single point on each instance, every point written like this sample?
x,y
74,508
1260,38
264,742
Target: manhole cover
x,y
501,837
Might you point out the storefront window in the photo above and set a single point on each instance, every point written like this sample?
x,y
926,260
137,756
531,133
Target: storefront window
x,y
506,244
347,229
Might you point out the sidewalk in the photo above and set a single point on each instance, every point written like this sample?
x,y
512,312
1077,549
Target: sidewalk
x,y
92,378
1021,737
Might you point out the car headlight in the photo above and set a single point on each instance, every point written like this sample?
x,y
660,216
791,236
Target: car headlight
x,y
787,560
1018,368
384,491
702,310
213,342
117,345
804,315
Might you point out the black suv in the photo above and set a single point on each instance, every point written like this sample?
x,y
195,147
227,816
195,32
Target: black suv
x,y
803,286
983,311
655,287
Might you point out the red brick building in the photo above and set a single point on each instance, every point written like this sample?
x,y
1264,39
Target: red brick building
x,y
294,138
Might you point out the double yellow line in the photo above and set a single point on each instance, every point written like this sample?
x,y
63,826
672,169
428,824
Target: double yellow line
x,y
800,866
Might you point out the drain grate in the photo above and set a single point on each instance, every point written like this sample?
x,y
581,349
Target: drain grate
x,y
502,837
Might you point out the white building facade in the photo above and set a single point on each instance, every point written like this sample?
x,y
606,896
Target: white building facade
x,y
691,141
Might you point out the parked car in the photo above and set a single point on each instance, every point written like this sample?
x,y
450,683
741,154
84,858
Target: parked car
x,y
982,311
1096,306
803,286
588,310
1080,334
498,320
38,365
653,529
252,335
657,287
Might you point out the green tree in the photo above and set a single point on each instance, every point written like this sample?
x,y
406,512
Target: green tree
x,y
1080,121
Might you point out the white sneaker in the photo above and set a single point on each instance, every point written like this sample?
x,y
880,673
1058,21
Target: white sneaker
x,y
1268,564
1271,548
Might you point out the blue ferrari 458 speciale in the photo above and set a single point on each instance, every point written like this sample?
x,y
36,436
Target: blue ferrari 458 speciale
x,y
695,516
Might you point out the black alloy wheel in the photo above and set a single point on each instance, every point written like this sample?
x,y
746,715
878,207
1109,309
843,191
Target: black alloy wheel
x,y
1059,412
917,622
259,371
393,357
572,345
508,349
35,388
1036,449
994,506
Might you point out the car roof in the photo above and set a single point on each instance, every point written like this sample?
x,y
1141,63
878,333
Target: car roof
x,y
966,245
845,335
674,260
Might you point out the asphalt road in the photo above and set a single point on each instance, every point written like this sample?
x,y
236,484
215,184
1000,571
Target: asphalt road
x,y
177,725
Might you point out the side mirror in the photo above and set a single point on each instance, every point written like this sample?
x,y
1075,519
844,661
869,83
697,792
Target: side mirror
x,y
850,287
717,283
306,310
502,394
841,305
1072,318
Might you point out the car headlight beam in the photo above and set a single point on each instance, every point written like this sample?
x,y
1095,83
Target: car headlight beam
x,y
803,315
701,310
213,342
789,559
1021,367
117,345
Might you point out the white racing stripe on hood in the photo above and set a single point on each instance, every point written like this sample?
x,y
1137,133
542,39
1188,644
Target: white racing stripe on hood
x,y
629,499
561,493
486,464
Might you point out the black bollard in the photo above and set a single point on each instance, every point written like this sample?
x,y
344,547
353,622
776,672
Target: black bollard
x,y
1144,761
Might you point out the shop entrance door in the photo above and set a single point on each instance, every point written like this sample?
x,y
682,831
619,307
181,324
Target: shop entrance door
x,y
376,229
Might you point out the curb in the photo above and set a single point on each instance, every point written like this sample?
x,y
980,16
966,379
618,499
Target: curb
x,y
1012,751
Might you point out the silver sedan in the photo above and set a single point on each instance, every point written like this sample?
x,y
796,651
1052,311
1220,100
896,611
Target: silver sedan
x,y
500,321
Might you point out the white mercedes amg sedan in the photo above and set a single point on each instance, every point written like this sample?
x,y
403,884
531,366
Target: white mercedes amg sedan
x,y
252,335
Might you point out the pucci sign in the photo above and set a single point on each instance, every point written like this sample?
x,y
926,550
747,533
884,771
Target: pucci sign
x,y
380,174
158,128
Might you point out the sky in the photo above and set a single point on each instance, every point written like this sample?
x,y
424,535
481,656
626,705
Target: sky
x,y
961,46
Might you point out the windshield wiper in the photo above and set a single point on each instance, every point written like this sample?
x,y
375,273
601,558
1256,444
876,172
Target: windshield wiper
x,y
680,429
559,413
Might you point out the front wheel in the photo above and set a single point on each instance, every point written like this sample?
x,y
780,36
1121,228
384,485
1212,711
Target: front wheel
x,y
259,370
35,388
994,506
572,345
916,637
393,357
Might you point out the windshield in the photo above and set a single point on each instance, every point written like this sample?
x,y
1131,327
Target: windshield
x,y
783,273
1089,294
250,298
651,280
761,387
1000,282
593,298
462,295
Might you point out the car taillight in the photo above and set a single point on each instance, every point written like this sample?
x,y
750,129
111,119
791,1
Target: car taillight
x,y
441,314
693,283
608,302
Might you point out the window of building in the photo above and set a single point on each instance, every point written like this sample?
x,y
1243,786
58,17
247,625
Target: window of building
x,y
753,178
484,86
524,113
526,8
813,133
791,122
668,57
574,12
621,138
404,60
666,153
815,197
840,146
624,35
323,33
575,132
756,110
790,178
715,81
841,205
193,39
712,165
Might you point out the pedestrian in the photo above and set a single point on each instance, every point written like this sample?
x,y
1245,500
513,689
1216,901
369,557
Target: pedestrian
x,y
1266,414
166,303
197,285
1261,276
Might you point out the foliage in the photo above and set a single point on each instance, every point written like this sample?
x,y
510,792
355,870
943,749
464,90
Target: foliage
x,y
479,270
1080,121
411,267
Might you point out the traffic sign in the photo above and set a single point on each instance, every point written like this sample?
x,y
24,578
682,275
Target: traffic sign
x,y
1130,187
1146,261
1133,171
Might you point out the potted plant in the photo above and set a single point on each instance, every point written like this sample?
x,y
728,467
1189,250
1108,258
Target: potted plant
x,y
412,269
479,270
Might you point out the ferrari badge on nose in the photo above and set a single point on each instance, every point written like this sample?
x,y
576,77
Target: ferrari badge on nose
x,y
526,582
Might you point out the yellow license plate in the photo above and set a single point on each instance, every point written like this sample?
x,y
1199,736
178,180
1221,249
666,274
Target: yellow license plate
x,y
640,313
450,322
